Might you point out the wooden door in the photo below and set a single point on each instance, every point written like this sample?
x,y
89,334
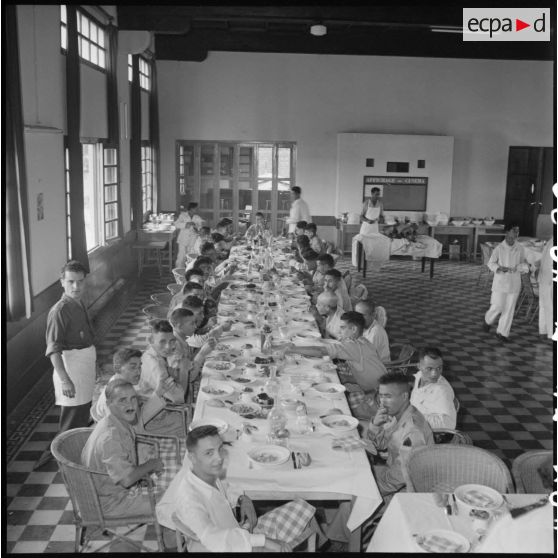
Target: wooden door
x,y
526,187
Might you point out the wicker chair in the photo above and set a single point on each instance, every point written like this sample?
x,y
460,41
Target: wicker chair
x,y
402,361
155,312
163,299
525,471
81,483
173,288
528,296
178,274
485,273
449,436
444,467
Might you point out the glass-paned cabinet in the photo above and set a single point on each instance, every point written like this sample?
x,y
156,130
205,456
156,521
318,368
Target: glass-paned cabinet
x,y
236,179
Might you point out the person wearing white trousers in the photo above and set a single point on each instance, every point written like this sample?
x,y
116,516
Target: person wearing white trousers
x,y
546,323
507,262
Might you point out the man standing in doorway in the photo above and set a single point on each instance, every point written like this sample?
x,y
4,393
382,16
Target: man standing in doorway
x,y
299,209
69,340
507,262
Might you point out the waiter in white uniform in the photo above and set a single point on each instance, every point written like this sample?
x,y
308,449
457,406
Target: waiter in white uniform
x,y
299,209
372,210
69,340
507,262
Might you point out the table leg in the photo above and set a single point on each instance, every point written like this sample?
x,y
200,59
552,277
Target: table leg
x,y
423,262
359,255
431,267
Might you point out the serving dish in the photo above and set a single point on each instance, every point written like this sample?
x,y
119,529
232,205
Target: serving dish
x,y
269,456
339,424
330,390
221,425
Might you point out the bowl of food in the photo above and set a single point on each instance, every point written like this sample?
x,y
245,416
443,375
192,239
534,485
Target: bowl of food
x,y
442,540
246,410
263,400
477,497
269,456
219,366
221,425
457,222
330,390
243,380
477,222
339,424
218,390
489,221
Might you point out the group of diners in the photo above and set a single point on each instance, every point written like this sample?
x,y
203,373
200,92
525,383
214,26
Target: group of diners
x,y
397,411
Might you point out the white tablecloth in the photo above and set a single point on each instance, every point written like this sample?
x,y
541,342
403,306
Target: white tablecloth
x,y
416,513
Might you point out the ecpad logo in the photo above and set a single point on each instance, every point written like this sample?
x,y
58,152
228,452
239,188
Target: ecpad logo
x,y
506,24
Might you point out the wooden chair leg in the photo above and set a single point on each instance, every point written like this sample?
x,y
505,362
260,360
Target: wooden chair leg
x,y
423,263
432,267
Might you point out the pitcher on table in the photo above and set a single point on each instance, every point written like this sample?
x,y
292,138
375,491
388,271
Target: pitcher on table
x,y
372,211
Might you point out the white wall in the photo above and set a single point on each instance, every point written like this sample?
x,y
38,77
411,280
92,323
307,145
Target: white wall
x,y
353,149
487,105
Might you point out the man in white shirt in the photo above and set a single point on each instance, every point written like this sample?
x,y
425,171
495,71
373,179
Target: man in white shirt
x,y
299,209
432,394
328,315
333,281
507,262
205,506
373,331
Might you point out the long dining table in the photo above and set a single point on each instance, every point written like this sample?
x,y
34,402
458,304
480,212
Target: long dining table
x,y
333,474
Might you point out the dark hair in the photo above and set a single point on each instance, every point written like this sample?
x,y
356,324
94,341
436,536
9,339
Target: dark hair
x,y
200,260
73,266
311,227
301,225
205,230
327,259
509,226
217,237
193,271
206,247
309,255
369,303
302,240
122,356
398,378
198,433
160,326
354,318
432,352
178,313
296,189
334,273
189,286
192,301
192,205
375,189
111,387
260,214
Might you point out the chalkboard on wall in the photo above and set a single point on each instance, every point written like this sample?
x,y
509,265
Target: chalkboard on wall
x,y
399,193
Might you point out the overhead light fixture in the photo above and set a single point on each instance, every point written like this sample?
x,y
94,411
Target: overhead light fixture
x,y
446,29
318,30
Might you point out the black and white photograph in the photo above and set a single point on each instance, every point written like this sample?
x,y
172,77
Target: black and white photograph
x,y
280,278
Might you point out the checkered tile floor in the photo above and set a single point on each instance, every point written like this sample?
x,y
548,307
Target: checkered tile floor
x,y
505,390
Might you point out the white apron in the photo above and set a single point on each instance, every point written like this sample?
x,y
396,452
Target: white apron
x,y
80,366
371,228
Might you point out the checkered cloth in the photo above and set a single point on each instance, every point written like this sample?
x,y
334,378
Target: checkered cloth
x,y
286,523
438,543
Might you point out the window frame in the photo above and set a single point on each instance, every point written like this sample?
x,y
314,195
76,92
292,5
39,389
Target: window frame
x,y
147,145
81,37
144,76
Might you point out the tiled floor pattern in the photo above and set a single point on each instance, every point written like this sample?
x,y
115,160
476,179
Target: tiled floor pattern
x,y
505,390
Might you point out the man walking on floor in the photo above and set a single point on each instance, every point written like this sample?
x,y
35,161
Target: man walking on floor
x,y
69,340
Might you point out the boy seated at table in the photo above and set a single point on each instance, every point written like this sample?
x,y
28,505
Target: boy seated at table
x,y
111,449
152,418
204,235
328,315
220,246
257,229
164,359
201,504
316,243
334,282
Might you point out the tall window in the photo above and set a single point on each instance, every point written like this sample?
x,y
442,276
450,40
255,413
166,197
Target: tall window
x,y
92,40
144,72
110,191
146,176
68,219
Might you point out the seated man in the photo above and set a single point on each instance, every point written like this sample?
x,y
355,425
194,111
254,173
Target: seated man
x,y
374,332
205,506
328,315
333,281
324,263
152,417
201,335
396,429
191,288
203,236
300,229
220,246
316,243
164,359
432,394
195,275
257,229
208,250
111,449
365,365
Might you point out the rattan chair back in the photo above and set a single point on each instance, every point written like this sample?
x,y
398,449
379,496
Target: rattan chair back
x,y
525,471
444,467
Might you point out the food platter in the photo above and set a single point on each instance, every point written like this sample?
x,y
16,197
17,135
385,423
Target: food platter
x,y
219,366
218,390
339,424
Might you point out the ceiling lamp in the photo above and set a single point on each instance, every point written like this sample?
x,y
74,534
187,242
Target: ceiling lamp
x,y
318,30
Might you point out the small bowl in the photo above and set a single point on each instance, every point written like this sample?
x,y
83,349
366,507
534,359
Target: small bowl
x,y
269,456
221,425
219,366
340,424
477,222
457,223
218,390
330,390
245,409
477,497
289,404
489,222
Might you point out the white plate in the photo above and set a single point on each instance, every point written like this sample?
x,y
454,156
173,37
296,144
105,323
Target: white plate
x,y
269,456
218,390
307,336
340,423
219,366
330,390
477,496
221,425
442,540
245,409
